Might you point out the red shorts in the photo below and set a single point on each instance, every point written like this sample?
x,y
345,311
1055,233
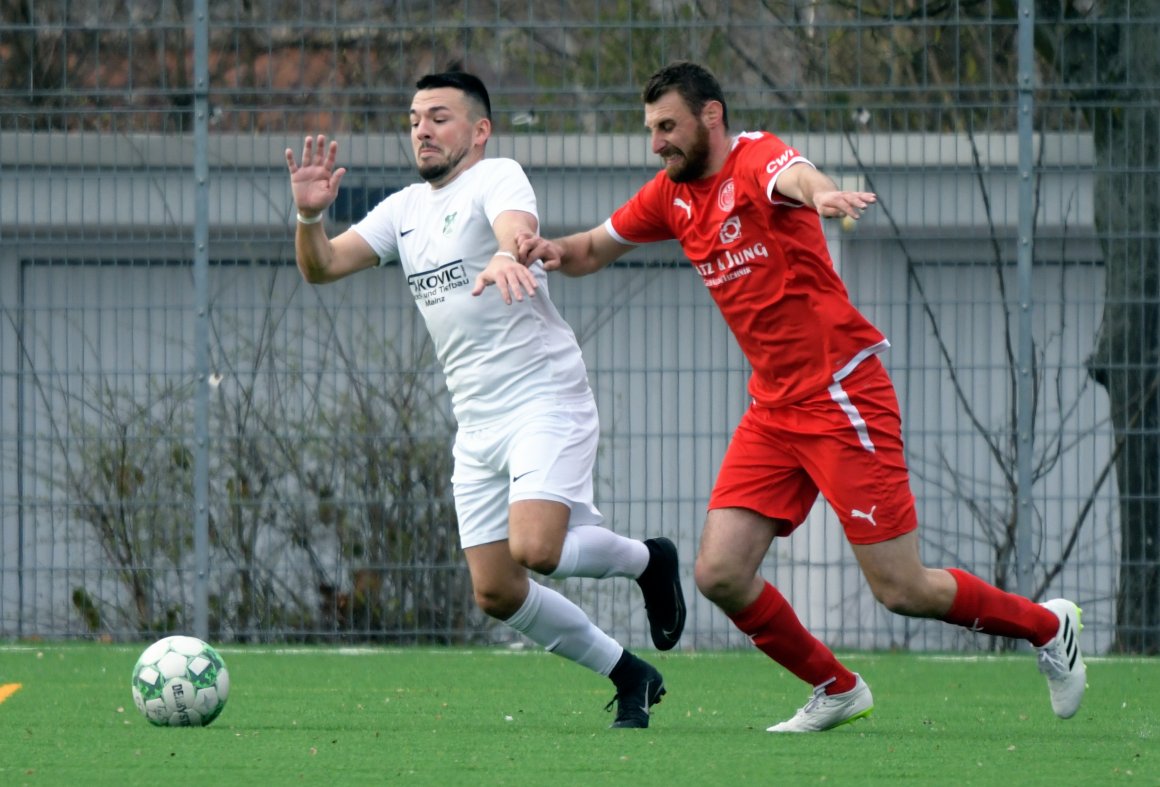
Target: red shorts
x,y
845,442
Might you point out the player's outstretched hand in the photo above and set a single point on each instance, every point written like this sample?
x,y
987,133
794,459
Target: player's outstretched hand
x,y
833,204
509,277
314,183
532,247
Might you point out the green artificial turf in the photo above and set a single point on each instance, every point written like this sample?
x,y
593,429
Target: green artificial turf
x,y
481,717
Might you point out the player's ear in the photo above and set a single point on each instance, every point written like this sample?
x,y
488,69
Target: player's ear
x,y
711,113
482,131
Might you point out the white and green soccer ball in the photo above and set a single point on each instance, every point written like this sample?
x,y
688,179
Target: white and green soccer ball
x,y
180,682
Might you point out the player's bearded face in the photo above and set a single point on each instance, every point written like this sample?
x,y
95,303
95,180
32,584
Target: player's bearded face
x,y
442,131
434,168
684,165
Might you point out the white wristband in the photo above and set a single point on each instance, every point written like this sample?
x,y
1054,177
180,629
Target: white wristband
x,y
508,254
303,220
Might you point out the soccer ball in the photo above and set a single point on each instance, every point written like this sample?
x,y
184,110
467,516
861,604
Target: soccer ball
x,y
180,682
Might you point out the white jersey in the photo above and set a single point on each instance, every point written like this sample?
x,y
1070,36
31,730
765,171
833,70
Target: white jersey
x,y
496,357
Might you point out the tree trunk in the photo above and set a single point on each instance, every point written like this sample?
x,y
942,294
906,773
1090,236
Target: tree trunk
x,y
1125,360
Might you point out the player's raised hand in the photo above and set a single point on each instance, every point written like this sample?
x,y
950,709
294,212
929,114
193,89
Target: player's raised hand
x,y
509,277
832,204
532,247
314,182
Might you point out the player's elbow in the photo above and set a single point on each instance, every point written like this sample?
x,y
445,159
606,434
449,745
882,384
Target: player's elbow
x,y
313,275
578,265
577,269
315,272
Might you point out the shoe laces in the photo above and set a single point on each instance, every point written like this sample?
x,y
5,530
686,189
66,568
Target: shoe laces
x,y
620,697
819,696
625,711
626,706
1052,662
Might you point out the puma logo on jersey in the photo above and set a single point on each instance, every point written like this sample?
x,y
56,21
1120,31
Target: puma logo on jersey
x,y
863,515
686,207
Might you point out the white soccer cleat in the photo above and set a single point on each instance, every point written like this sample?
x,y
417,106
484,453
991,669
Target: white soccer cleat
x,y
1061,661
824,711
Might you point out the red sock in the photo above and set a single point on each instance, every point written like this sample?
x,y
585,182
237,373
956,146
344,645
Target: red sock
x,y
774,628
982,607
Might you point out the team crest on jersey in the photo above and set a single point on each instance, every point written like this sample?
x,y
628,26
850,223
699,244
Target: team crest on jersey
x,y
725,196
730,230
449,224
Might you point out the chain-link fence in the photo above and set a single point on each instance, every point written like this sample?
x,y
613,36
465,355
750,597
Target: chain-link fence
x,y
173,398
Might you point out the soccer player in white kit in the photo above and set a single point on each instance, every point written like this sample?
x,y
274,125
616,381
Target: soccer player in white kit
x,y
527,423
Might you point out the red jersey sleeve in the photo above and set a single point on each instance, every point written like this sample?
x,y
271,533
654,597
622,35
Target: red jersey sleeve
x,y
767,159
643,218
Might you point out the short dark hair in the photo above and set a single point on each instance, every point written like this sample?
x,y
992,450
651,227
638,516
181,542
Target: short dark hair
x,y
470,84
695,84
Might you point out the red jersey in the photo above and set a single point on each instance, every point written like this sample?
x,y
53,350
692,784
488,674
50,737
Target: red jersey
x,y
765,261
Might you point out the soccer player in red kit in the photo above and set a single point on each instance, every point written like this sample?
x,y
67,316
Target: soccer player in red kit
x,y
824,416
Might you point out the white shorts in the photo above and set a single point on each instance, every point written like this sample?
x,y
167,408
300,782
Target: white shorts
x,y
533,455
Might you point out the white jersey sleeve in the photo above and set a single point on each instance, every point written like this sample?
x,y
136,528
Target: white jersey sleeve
x,y
379,227
509,189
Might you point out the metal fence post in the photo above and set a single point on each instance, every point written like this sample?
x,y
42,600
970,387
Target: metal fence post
x,y
201,330
1025,380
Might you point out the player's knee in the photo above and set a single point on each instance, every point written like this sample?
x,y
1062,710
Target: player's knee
x,y
538,557
900,598
714,580
496,602
891,599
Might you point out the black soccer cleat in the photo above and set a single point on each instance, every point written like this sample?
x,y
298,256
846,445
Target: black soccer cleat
x,y
639,688
664,601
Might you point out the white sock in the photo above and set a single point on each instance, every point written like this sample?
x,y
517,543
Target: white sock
x,y
561,627
597,552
